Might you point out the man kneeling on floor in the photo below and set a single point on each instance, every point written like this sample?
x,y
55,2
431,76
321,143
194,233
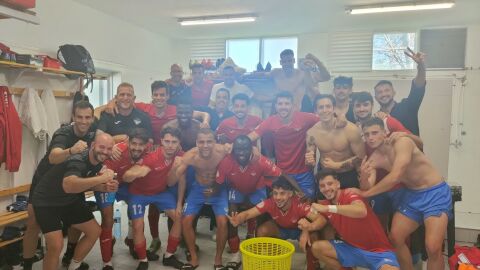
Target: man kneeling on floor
x,y
363,244
286,210
149,182
57,200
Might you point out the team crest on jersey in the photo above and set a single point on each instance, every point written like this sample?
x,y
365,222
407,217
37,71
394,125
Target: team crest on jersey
x,y
117,122
137,121
253,173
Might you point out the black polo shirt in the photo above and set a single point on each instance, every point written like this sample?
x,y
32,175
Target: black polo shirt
x,y
179,92
49,190
406,111
215,118
63,138
121,124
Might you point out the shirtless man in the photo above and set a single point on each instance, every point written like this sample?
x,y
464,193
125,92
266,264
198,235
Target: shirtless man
x,y
341,149
188,126
204,159
426,196
299,82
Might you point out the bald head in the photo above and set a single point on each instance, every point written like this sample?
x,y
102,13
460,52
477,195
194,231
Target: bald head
x,y
242,149
176,72
101,148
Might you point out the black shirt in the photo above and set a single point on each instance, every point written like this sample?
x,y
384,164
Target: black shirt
x,y
215,118
49,191
406,111
120,124
63,138
178,92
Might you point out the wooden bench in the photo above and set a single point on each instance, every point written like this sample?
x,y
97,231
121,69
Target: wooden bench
x,y
11,217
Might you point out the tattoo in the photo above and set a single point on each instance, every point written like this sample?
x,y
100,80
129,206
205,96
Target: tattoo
x,y
311,143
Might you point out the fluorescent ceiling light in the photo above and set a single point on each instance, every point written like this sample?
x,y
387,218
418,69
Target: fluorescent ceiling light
x,y
409,6
218,19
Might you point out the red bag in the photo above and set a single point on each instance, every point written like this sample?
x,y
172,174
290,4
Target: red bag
x,y
50,62
472,254
23,4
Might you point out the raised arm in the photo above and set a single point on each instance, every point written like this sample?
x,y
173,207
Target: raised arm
x,y
321,74
136,171
419,58
403,155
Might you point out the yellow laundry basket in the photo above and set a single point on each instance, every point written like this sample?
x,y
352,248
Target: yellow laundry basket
x,y
265,253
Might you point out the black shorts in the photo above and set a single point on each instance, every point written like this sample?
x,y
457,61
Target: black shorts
x,y
348,179
53,218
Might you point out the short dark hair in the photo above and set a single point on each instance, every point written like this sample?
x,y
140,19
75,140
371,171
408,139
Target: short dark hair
x,y
361,97
324,96
241,139
228,67
82,104
185,100
138,133
175,132
286,52
207,131
373,121
343,80
282,183
382,82
197,65
223,90
159,84
284,94
241,96
324,173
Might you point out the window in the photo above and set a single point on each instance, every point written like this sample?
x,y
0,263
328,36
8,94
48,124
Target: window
x,y
247,53
388,51
102,90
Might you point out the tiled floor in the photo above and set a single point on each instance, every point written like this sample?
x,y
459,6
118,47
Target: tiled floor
x,y
123,261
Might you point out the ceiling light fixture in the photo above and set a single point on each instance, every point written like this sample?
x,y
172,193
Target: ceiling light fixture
x,y
239,18
409,6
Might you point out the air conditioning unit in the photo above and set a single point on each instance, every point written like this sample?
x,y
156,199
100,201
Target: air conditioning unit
x,y
445,48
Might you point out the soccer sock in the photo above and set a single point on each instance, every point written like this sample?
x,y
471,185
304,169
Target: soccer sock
x,y
106,245
234,244
172,244
251,226
141,250
74,265
153,218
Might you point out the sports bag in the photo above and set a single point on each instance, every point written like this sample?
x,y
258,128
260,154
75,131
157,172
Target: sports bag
x,y
76,58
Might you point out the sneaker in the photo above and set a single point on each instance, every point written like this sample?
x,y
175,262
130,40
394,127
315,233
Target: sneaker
x,y
142,266
152,256
172,261
155,245
83,266
107,267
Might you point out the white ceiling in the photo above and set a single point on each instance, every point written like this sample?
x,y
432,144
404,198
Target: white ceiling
x,y
277,17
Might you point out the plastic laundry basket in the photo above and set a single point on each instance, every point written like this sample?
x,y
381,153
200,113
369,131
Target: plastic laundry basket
x,y
265,253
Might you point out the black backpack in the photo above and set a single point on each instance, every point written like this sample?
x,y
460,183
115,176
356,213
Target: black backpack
x,y
76,58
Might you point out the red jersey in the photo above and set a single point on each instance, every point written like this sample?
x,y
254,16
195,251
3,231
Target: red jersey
x,y
246,180
201,94
288,220
10,132
123,164
170,113
156,180
229,127
289,139
364,233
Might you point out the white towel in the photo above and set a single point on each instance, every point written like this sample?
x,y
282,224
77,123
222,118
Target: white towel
x,y
50,106
32,113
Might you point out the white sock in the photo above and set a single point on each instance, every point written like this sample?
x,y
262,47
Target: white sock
x,y
107,263
168,254
74,265
142,260
130,230
236,257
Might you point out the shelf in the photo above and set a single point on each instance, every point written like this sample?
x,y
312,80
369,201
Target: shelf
x,y
8,242
47,70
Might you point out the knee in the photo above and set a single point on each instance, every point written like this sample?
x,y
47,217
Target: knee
x,y
187,222
222,222
396,239
55,246
318,248
434,248
95,232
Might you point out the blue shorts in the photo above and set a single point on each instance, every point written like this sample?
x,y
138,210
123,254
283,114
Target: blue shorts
x,y
387,202
421,204
163,201
350,256
306,182
195,200
105,199
293,234
235,196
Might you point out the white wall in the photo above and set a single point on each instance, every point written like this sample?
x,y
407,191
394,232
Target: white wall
x,y
141,56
